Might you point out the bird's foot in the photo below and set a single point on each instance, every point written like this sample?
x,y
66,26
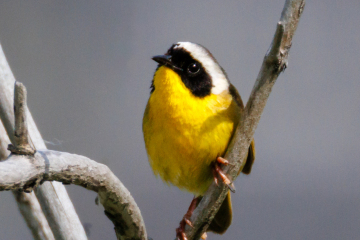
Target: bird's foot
x,y
180,231
218,173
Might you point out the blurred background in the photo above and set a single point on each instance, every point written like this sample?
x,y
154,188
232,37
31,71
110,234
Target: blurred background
x,y
87,67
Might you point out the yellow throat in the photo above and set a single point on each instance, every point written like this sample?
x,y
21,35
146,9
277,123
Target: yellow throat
x,y
184,134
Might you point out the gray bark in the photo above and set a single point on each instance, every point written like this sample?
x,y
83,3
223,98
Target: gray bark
x,y
53,198
28,204
275,61
25,172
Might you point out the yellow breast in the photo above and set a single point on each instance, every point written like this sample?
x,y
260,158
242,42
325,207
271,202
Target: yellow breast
x,y
184,134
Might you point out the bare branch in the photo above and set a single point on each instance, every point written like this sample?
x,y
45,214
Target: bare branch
x,y
4,142
274,63
35,219
27,202
53,198
120,207
20,172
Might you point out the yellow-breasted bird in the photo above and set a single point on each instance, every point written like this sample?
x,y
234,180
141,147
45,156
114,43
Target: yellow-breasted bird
x,y
189,120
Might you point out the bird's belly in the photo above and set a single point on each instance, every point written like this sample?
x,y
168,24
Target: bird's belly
x,y
184,134
181,151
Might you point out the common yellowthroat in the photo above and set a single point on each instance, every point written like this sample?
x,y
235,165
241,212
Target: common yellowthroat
x,y
189,120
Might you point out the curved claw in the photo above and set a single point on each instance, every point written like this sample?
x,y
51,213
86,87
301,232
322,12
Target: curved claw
x,y
180,234
180,231
218,173
231,187
188,222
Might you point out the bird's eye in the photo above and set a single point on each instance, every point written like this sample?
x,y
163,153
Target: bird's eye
x,y
193,68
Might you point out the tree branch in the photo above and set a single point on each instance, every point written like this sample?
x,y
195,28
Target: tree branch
x,y
275,61
27,203
34,217
24,172
27,172
4,142
53,198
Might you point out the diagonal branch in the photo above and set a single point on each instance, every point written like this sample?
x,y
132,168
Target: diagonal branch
x,y
26,172
21,172
275,61
53,198
28,204
34,217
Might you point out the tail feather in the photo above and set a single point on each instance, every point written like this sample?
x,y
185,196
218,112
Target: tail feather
x,y
223,217
250,159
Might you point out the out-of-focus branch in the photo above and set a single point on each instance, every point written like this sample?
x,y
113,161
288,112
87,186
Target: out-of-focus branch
x,y
275,61
35,219
27,203
22,172
53,197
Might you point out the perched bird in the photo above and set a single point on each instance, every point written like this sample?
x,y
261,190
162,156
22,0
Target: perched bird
x,y
189,120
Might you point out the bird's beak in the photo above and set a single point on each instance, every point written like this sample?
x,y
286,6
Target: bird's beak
x,y
162,59
165,60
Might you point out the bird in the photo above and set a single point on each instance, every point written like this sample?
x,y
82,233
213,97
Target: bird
x,y
188,123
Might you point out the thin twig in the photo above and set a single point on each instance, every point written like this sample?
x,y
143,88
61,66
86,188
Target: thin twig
x,y
19,172
21,135
274,63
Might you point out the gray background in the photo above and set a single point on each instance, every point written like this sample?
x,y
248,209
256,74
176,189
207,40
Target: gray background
x,y
87,67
